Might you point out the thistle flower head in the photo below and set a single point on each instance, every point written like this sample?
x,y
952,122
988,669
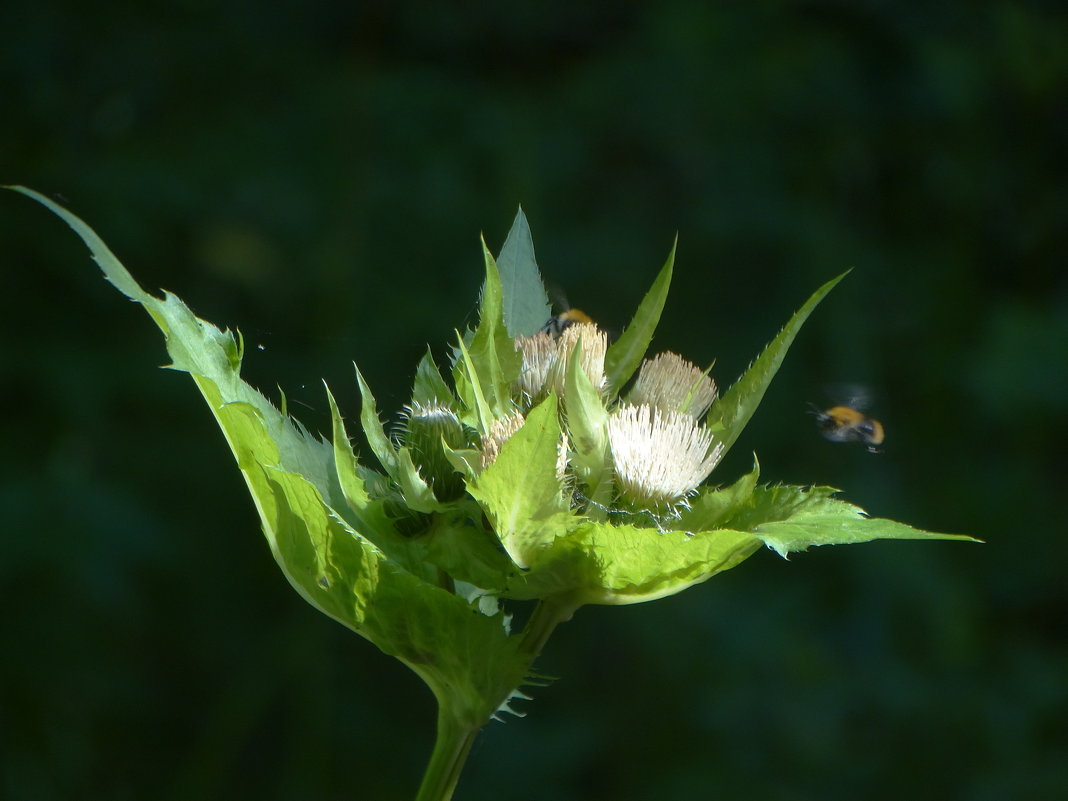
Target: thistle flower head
x,y
670,383
539,354
594,346
546,358
659,457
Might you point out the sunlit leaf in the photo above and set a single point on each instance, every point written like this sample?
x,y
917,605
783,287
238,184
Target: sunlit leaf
x,y
429,387
521,492
294,480
381,445
525,302
715,508
492,350
477,411
587,420
627,352
729,414
601,563
790,519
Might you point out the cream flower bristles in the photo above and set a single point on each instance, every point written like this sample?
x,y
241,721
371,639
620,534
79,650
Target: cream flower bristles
x,y
660,457
594,347
673,384
539,354
501,430
545,359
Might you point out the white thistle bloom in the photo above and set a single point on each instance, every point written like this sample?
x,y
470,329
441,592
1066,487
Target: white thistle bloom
x,y
660,457
545,358
594,347
539,355
672,384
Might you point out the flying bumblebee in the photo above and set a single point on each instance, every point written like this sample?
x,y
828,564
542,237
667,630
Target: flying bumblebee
x,y
848,421
846,424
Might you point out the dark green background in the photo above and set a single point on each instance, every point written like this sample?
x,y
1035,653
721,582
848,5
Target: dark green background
x,y
317,174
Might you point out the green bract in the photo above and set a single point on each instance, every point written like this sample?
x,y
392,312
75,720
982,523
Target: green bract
x,y
494,494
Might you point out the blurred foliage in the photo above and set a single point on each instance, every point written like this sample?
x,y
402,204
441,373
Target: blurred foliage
x,y
255,158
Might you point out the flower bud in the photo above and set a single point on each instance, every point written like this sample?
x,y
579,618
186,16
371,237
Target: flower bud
x,y
423,432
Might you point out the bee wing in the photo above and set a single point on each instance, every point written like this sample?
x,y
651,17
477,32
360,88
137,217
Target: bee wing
x,y
855,396
558,297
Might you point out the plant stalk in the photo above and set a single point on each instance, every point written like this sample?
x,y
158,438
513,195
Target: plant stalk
x,y
451,747
455,735
547,615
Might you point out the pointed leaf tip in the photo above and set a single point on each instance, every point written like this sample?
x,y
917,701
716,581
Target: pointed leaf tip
x,y
729,414
627,352
525,301
108,262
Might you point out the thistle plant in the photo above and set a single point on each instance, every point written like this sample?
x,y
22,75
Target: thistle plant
x,y
544,471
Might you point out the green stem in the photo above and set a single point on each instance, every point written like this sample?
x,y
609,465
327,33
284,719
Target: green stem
x,y
451,747
456,735
547,615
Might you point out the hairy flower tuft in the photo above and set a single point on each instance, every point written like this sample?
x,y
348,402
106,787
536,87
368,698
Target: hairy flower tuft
x,y
539,354
501,430
660,457
546,358
670,383
594,347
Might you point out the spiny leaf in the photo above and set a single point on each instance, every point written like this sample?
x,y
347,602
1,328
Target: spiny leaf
x,y
526,304
790,519
715,508
492,351
337,569
429,387
627,352
477,412
521,492
602,563
729,414
352,485
587,423
380,443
